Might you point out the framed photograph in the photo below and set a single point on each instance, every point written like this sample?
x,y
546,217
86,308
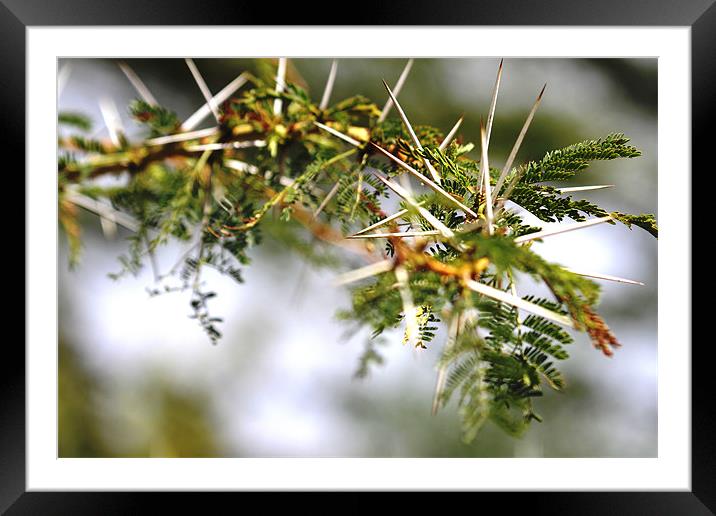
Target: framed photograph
x,y
406,251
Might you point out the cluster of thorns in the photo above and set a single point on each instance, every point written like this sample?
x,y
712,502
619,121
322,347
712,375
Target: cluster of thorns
x,y
406,258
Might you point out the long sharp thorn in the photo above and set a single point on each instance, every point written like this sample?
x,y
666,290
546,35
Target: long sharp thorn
x,y
230,145
329,86
280,85
241,166
516,147
396,89
339,134
434,186
200,114
432,219
326,200
364,272
518,302
383,221
452,133
607,277
182,137
493,103
111,119
109,223
583,188
138,84
561,229
406,234
442,372
152,259
485,172
203,87
63,76
403,116
104,211
413,136
412,329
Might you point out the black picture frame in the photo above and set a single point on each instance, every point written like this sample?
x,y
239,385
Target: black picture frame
x,y
700,15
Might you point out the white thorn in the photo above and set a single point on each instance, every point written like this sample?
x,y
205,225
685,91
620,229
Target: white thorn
x,y
604,277
411,132
203,87
453,330
406,234
444,230
329,85
451,134
485,172
204,111
493,103
396,89
230,145
112,120
326,199
108,222
434,186
518,302
286,181
138,84
364,272
105,211
516,147
561,229
280,85
583,188
384,221
241,166
412,328
339,134
182,137
63,75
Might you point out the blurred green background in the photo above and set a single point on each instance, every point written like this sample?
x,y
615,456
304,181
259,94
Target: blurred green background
x,y
137,378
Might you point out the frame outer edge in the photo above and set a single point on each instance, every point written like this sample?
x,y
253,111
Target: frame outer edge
x,y
12,379
703,111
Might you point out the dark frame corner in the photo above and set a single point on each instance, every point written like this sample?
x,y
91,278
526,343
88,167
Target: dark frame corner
x,y
700,15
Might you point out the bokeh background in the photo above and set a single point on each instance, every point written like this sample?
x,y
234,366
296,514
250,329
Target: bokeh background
x,y
138,378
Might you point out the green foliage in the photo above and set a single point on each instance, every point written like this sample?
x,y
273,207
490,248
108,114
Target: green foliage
x,y
546,202
160,120
563,164
646,221
497,375
269,173
75,120
86,144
